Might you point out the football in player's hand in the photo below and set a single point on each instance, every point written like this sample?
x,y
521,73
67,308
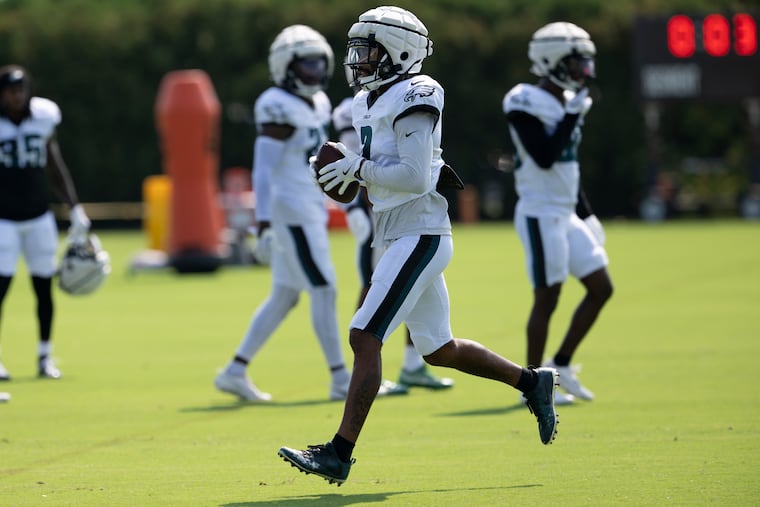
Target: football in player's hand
x,y
328,154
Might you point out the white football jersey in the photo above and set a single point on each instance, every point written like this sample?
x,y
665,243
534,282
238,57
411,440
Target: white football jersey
x,y
23,158
378,139
543,190
296,197
402,213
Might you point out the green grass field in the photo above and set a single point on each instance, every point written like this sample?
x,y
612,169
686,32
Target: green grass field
x,y
136,421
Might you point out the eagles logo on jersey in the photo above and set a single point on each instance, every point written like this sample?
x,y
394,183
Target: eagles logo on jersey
x,y
520,101
419,91
275,113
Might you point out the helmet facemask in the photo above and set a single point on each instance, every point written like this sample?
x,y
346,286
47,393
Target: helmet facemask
x,y
351,78
573,72
307,76
370,63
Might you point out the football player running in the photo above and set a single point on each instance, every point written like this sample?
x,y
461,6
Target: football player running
x,y
559,232
397,115
292,118
29,152
414,372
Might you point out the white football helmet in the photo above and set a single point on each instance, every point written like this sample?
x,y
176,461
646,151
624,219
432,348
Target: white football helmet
x,y
550,48
403,41
300,43
84,267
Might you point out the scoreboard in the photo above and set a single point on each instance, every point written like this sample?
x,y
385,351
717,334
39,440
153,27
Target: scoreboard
x,y
707,57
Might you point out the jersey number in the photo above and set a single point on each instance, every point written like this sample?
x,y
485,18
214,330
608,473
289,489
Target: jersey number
x,y
366,140
570,152
31,153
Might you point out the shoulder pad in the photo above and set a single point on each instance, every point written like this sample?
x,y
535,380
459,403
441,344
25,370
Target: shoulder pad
x,y
45,109
529,99
421,91
275,106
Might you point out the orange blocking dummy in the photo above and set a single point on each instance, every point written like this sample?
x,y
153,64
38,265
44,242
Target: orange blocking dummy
x,y
187,119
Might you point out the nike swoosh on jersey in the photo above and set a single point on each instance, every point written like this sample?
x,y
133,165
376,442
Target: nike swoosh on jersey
x,y
409,133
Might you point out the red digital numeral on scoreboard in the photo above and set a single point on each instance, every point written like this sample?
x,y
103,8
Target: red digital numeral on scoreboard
x,y
681,40
717,35
745,35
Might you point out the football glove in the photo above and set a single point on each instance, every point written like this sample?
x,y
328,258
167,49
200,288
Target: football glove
x,y
341,172
580,104
80,225
262,252
595,226
359,224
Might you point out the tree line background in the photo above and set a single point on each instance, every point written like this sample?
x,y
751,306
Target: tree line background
x,y
102,62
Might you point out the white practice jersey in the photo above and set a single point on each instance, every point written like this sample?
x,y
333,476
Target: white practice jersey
x,y
399,214
295,195
23,158
543,190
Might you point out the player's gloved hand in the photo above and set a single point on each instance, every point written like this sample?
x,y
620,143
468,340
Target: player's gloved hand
x,y
596,228
580,104
80,225
262,252
341,172
359,224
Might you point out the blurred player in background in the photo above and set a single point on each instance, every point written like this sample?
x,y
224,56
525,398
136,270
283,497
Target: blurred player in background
x,y
398,115
292,120
559,232
414,372
29,154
